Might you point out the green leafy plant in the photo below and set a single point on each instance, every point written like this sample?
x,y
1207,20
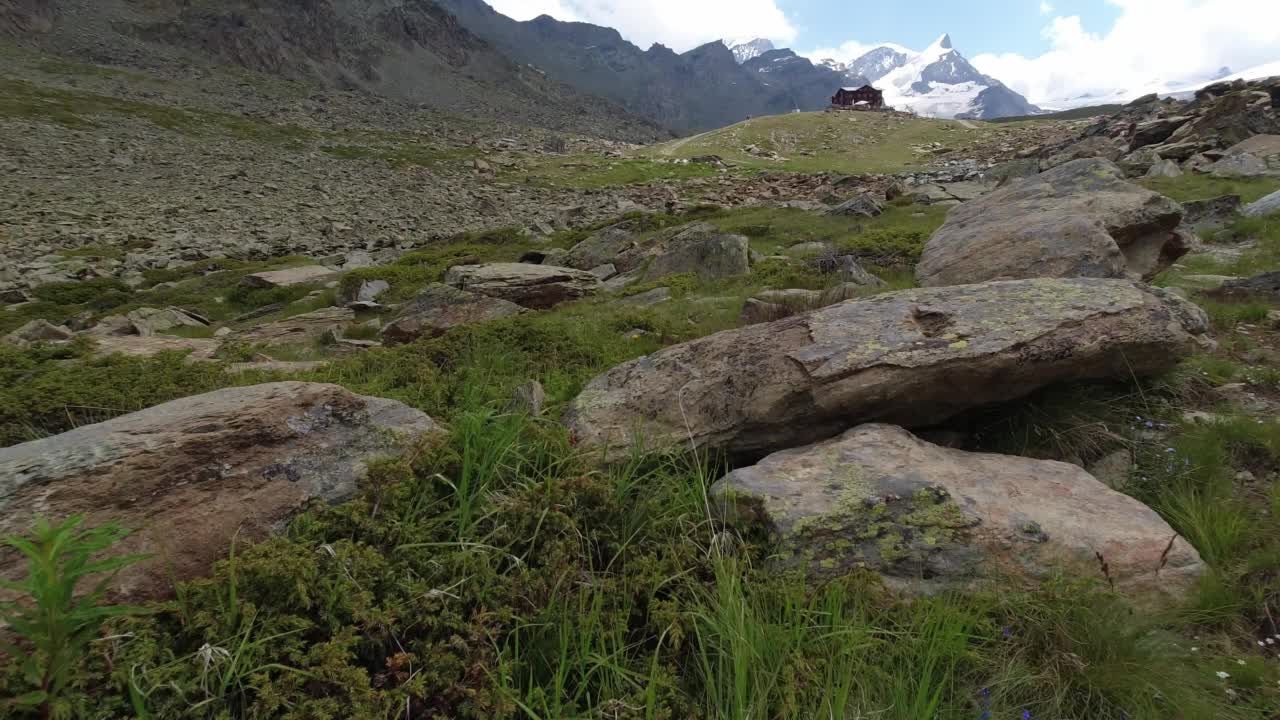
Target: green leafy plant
x,y
57,622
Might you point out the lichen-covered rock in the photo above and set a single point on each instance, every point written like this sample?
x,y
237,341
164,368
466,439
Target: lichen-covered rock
x,y
531,286
929,518
1082,219
289,276
697,247
37,331
306,327
912,358
1266,206
147,321
440,307
190,475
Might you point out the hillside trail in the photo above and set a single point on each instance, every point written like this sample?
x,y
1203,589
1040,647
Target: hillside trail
x,y
967,124
671,149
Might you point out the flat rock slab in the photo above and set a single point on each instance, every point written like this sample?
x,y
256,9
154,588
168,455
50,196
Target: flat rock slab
x,y
897,358
1266,206
928,518
306,327
148,321
438,308
140,346
289,276
531,286
189,475
1081,219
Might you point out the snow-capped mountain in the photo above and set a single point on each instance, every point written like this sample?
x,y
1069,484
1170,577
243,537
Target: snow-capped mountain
x,y
748,49
939,82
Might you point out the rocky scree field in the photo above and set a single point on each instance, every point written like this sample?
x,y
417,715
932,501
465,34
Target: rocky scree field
x,y
401,423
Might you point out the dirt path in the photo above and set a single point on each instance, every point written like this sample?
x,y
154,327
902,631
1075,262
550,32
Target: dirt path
x,y
966,123
671,149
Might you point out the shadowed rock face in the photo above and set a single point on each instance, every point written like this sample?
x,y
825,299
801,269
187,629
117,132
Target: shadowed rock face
x,y
532,286
1081,219
911,358
928,518
190,475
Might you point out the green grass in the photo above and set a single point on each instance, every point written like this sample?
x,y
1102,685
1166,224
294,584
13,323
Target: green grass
x,y
847,142
1082,113
1192,186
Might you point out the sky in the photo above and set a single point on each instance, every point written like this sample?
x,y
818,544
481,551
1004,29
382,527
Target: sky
x,y
1044,49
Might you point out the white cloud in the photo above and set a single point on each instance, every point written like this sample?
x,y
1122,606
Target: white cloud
x,y
1154,44
1046,7
678,24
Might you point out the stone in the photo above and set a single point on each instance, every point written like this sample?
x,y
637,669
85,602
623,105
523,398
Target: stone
x,y
604,272
1165,169
931,519
1264,284
148,321
532,286
696,247
289,276
1081,219
139,346
1211,214
112,325
1113,469
1268,205
1093,147
1156,131
529,399
810,248
1241,165
287,367
648,298
366,293
1265,148
708,253
191,476
849,271
863,205
759,311
897,357
303,328
439,308
38,331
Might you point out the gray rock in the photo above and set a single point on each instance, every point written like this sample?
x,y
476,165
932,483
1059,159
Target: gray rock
x,y
1114,469
863,205
303,328
112,325
708,253
756,311
810,248
191,475
604,272
1081,219
648,298
529,399
155,321
929,518
139,346
366,294
532,286
289,276
1266,206
1265,284
897,357
37,331
849,271
1211,214
438,308
1165,169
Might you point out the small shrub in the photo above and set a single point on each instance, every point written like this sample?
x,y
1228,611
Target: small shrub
x,y
79,293
52,615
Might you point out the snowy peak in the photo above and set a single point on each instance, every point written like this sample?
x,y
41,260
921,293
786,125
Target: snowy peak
x,y
939,82
744,51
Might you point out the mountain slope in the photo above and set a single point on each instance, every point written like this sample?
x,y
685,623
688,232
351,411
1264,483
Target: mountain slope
x,y
409,50
701,89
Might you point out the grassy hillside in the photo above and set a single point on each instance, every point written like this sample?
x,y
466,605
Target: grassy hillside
x,y
842,142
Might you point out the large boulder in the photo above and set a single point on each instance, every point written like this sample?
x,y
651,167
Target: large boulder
x,y
302,328
532,286
696,247
38,331
191,475
302,274
897,357
148,321
1256,157
928,518
440,307
1082,219
1266,206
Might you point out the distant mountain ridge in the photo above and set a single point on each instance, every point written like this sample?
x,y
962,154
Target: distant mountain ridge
x,y
744,51
704,88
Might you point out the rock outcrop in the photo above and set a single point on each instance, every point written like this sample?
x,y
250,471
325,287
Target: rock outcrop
x,y
531,286
1082,219
1266,206
440,307
697,247
303,328
897,358
287,277
929,518
190,475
